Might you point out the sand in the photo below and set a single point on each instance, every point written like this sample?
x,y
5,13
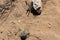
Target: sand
x,y
45,26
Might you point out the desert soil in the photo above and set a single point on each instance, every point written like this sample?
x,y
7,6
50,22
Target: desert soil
x,y
45,26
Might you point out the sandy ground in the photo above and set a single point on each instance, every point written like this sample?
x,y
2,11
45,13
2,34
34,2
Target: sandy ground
x,y
45,26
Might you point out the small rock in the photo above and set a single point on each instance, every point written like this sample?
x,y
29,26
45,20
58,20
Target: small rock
x,y
49,27
19,21
13,22
3,39
17,15
24,35
1,32
49,23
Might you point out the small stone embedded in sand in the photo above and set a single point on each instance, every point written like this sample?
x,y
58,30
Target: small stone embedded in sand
x,y
15,34
3,39
19,21
17,15
49,27
13,22
49,23
1,9
1,32
9,34
24,35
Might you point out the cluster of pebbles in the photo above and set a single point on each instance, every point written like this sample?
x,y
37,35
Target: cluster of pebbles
x,y
5,5
5,8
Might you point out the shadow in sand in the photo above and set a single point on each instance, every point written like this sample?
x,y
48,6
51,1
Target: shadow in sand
x,y
35,13
23,38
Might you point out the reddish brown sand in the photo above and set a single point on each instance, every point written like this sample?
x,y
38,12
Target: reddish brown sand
x,y
45,26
